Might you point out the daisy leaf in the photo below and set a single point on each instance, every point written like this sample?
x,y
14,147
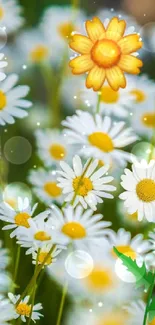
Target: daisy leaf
x,y
142,276
151,310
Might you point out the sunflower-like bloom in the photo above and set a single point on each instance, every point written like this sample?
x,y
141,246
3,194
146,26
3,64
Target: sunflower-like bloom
x,y
106,54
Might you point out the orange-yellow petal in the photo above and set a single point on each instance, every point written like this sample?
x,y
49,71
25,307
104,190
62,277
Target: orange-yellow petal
x,y
81,64
130,64
115,78
115,29
95,29
81,44
130,43
95,78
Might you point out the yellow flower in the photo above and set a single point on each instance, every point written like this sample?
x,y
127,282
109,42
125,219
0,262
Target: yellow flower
x,y
105,54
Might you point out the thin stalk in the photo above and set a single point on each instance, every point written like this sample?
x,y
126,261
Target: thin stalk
x,y
98,103
149,300
64,293
17,264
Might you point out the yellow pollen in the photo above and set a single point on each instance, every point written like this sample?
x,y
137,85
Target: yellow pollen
x,y
74,230
57,151
108,95
145,190
126,250
114,318
3,100
139,95
149,120
82,185
1,12
52,189
106,53
42,236
100,279
66,29
102,141
23,309
39,53
42,257
21,219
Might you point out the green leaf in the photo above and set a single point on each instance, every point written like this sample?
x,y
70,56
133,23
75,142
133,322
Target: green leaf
x,y
142,276
151,310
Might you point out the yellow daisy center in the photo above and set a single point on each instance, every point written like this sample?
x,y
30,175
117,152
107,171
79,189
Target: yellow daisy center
x,y
139,95
21,219
42,257
66,29
106,53
3,100
1,12
42,236
102,141
23,309
108,95
149,120
82,185
145,190
100,279
152,323
52,189
39,53
126,250
57,151
74,230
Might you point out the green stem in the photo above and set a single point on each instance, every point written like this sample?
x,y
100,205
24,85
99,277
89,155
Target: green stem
x,y
17,264
98,103
149,300
64,293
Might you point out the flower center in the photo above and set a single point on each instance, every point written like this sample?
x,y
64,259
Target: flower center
x,y
108,95
114,319
126,250
42,257
152,323
52,189
100,279
66,29
145,190
149,120
102,141
57,151
23,309
74,230
106,53
82,185
21,219
139,95
42,236
1,12
39,53
3,100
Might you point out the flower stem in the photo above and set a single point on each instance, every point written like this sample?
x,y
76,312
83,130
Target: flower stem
x,y
16,264
64,293
98,103
149,300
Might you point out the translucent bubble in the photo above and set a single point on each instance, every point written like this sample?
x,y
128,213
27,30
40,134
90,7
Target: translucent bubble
x,y
147,33
79,264
13,191
124,274
143,150
3,37
17,150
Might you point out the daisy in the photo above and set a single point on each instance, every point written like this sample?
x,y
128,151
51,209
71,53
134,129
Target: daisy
x,y
6,311
23,309
10,17
43,254
85,184
139,185
137,310
99,137
45,186
3,64
106,53
127,218
12,103
81,228
15,193
52,146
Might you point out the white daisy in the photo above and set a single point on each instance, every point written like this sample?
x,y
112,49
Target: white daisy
x,y
127,218
99,137
139,185
14,192
23,309
12,103
45,185
137,309
81,228
85,184
6,311
43,254
10,15
3,64
52,146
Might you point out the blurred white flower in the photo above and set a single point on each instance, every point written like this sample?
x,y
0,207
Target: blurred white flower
x,y
3,64
10,15
6,311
